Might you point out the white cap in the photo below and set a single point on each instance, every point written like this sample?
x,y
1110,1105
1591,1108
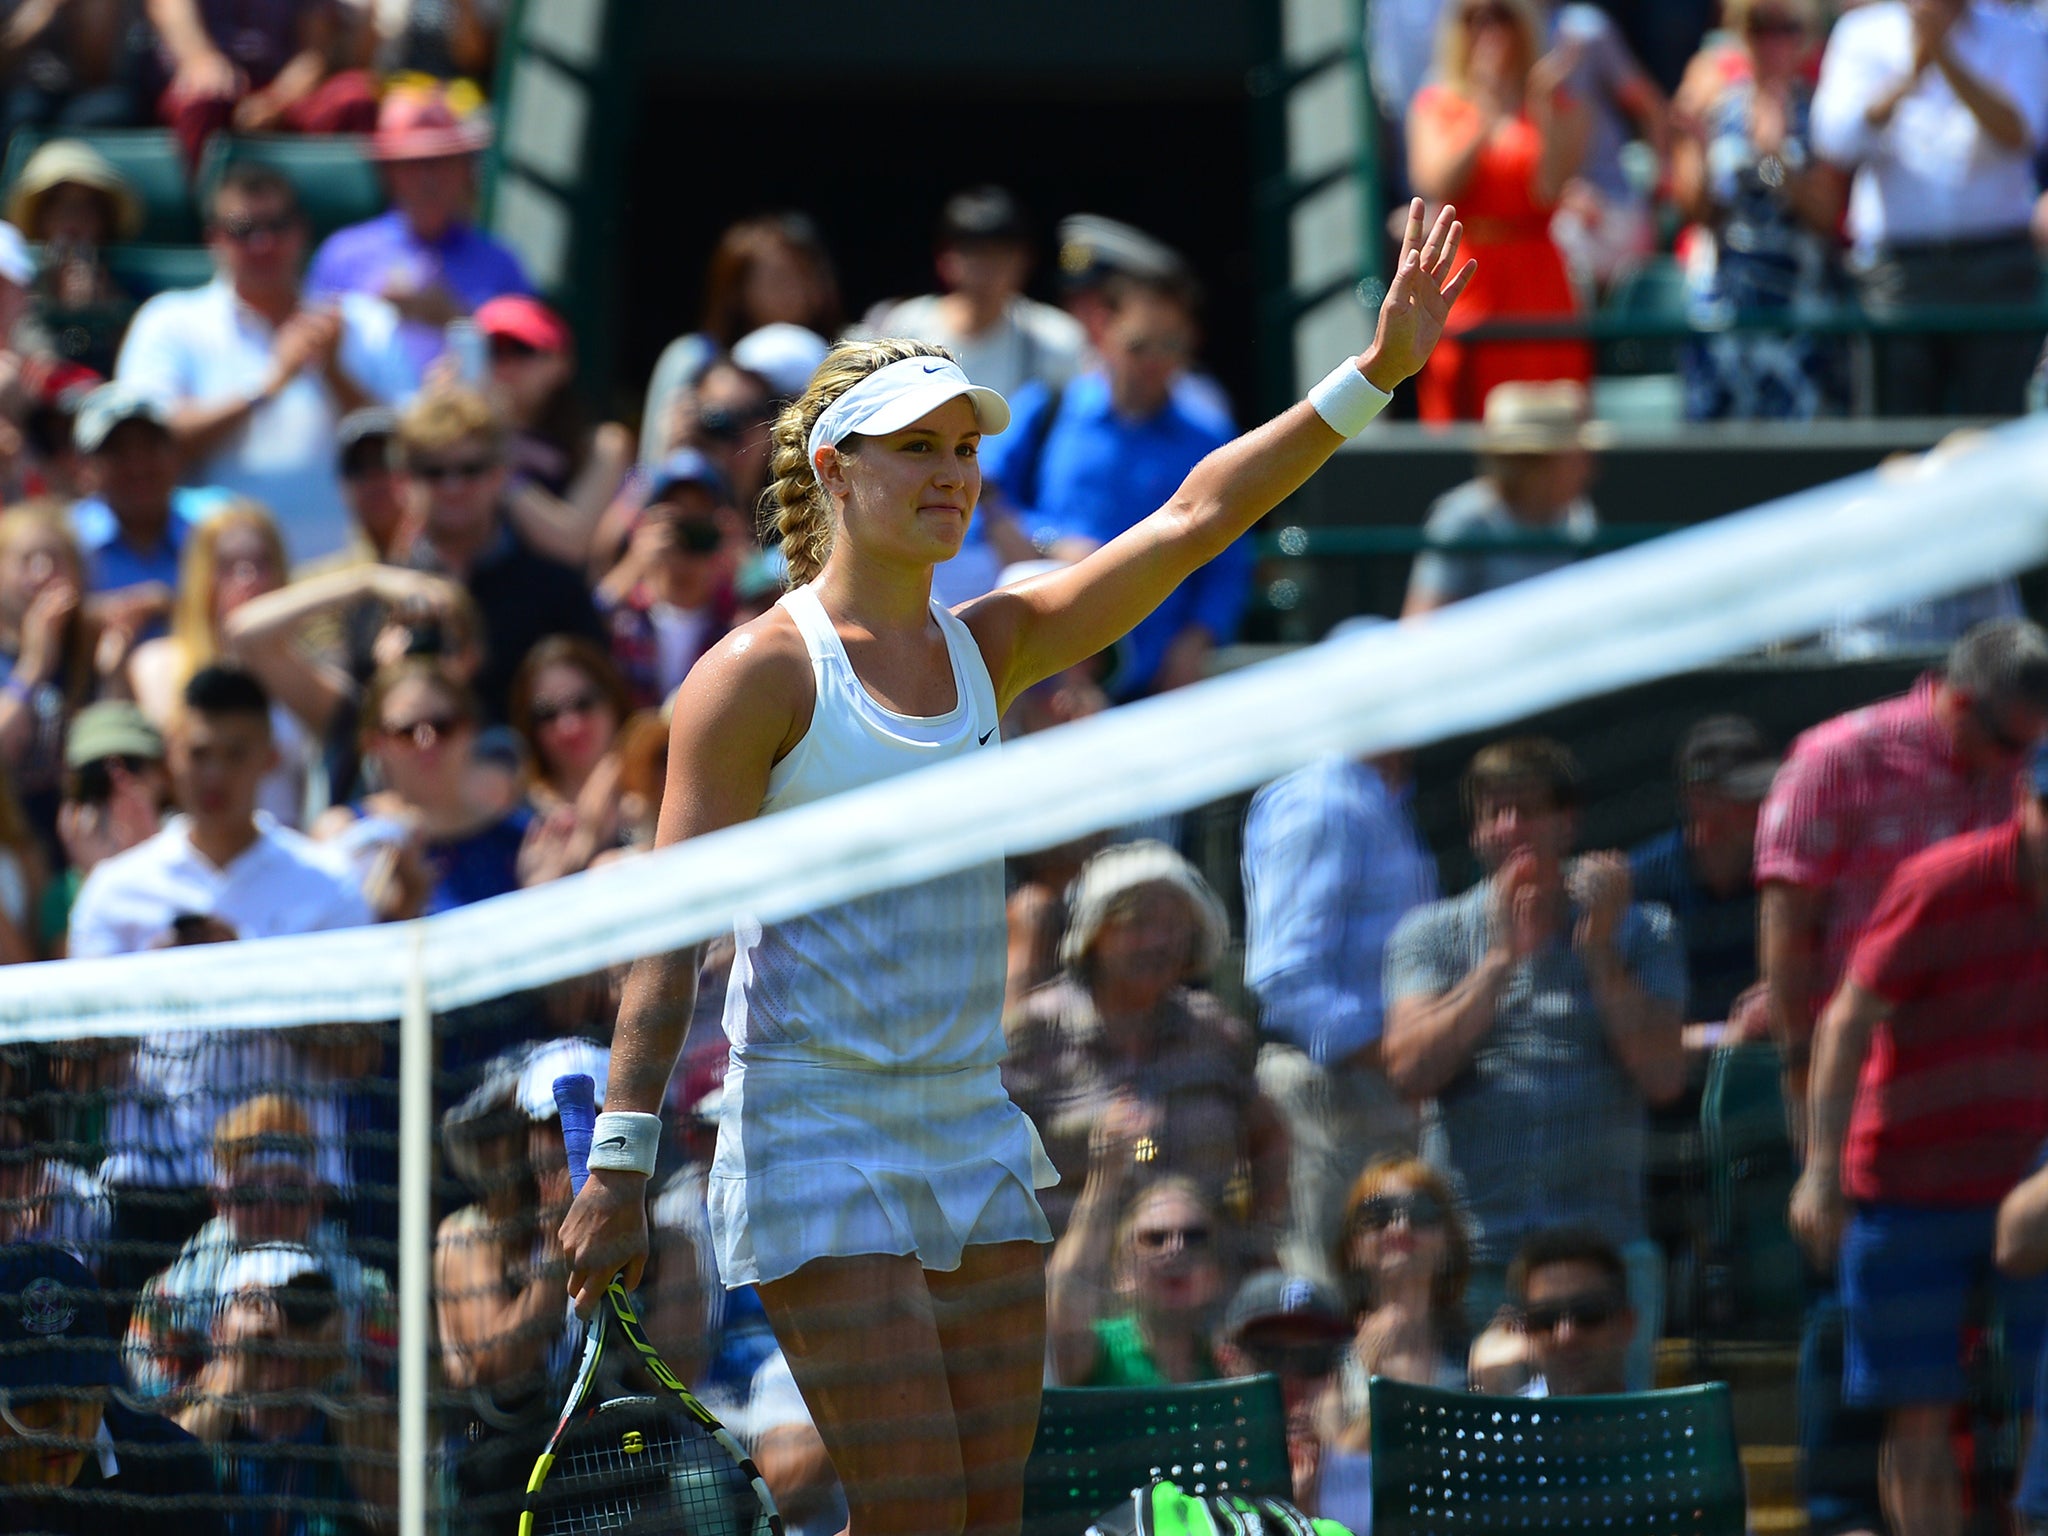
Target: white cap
x,y
16,264
265,1267
891,398
560,1058
785,355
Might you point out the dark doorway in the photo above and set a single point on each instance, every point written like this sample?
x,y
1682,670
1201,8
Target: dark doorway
x,y
874,173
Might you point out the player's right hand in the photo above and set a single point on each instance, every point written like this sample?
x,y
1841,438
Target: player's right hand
x,y
604,1235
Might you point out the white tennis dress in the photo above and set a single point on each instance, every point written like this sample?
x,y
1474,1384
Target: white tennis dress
x,y
864,1111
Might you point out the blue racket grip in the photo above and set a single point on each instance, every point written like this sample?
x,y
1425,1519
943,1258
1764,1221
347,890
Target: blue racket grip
x,y
576,1098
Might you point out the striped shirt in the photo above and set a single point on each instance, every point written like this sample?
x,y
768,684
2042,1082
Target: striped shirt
x,y
1857,796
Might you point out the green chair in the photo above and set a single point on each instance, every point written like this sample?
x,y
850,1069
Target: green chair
x,y
1645,1463
335,179
1653,293
148,159
146,270
1755,1285
1097,1444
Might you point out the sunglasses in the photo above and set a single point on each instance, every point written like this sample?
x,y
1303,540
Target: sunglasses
x,y
1579,1311
242,231
724,426
426,731
1376,1213
511,347
2000,737
1165,1239
462,469
1295,1360
548,711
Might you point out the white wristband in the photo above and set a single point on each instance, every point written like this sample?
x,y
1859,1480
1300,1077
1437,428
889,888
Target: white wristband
x,y
1348,400
625,1142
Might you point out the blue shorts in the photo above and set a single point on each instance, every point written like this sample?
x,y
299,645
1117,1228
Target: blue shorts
x,y
1907,1275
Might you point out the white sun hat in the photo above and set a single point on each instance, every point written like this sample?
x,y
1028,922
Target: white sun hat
x,y
891,398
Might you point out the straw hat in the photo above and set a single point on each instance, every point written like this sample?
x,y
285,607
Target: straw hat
x,y
1125,867
63,160
1539,418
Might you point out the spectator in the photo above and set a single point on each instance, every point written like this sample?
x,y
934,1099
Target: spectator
x,y
50,463
455,40
425,256
1539,1013
1766,209
1001,338
73,204
266,1190
235,557
507,1338
1499,134
429,840
791,1454
46,654
116,790
24,872
1132,1285
564,474
1702,870
223,869
292,1442
252,375
568,702
784,355
1927,1105
44,1197
1535,465
1291,1327
133,522
1401,1256
1332,862
1572,1328
1121,1025
454,448
71,66
1036,914
367,463
769,270
59,1372
269,71
1400,51
670,599
1858,795
1080,467
1605,223
2022,1254
1937,107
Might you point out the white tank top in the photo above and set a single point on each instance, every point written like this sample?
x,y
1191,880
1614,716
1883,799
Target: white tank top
x,y
909,979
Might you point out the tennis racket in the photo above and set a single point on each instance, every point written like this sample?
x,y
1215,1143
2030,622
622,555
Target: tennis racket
x,y
659,1465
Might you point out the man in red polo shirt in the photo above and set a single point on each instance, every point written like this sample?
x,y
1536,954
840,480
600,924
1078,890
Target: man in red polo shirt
x,y
1928,1102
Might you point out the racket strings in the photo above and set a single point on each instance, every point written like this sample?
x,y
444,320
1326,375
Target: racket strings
x,y
638,1475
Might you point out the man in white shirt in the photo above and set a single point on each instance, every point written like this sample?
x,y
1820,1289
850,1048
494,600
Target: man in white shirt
x,y
218,872
1937,107
1002,338
254,379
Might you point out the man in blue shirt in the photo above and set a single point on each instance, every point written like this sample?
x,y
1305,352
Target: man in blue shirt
x,y
1078,468
1332,862
426,257
131,524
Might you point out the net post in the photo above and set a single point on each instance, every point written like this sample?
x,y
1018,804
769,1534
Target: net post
x,y
415,1238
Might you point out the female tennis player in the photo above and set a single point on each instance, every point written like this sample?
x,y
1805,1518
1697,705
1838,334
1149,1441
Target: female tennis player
x,y
872,1177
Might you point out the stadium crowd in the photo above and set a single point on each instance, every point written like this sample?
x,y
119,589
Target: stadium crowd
x,y
323,603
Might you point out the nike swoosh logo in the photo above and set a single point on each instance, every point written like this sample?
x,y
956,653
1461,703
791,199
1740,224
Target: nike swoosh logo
x,y
934,367
611,1141
983,741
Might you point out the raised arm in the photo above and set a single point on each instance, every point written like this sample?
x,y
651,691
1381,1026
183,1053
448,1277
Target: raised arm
x,y
1029,632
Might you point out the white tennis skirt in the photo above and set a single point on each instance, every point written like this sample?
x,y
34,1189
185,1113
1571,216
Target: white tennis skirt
x,y
818,1161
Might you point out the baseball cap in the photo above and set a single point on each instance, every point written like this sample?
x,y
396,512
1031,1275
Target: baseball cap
x,y
111,728
685,466
53,1323
982,213
265,1267
358,427
560,1058
107,407
1094,248
1727,753
1273,1296
891,398
785,355
518,318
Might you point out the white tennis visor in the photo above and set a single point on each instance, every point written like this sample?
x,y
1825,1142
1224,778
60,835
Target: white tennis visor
x,y
891,398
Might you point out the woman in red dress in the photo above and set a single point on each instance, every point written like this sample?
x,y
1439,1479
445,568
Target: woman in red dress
x,y
1497,132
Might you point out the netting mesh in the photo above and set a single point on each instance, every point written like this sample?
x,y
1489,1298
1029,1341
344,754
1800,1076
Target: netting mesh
x,y
315,1183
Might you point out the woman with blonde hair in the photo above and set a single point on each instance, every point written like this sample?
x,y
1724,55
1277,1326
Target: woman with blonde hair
x,y
232,558
1497,131
872,1177
47,643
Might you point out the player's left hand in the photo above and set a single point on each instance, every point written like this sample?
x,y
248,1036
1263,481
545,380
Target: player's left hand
x,y
1427,282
